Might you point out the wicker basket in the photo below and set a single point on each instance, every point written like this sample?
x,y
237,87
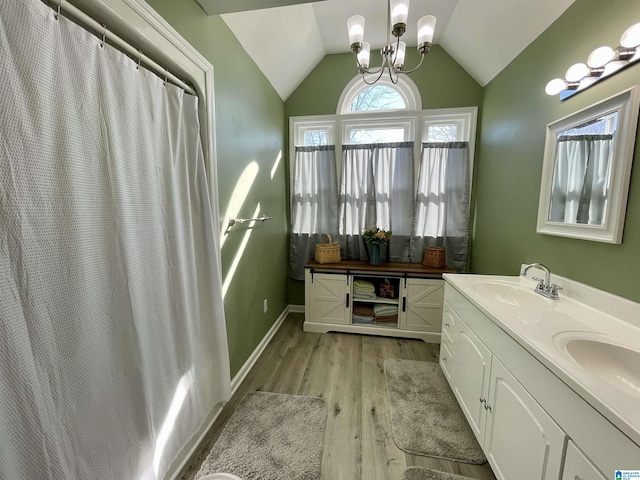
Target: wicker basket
x,y
434,257
328,252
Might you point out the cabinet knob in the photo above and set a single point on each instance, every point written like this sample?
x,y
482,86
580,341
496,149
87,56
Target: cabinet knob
x,y
482,400
444,359
446,324
487,407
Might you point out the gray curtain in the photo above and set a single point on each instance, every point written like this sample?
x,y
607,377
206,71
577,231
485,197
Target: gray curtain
x,y
376,188
581,179
314,211
441,216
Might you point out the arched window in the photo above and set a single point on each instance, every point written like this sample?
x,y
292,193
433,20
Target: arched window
x,y
357,96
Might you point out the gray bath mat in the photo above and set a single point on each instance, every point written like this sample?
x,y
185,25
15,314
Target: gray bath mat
x,y
418,473
425,416
271,436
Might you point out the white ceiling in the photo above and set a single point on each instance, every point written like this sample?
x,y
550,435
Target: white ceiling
x,y
287,42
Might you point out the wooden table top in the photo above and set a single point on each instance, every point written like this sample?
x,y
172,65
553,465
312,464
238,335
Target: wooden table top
x,y
404,268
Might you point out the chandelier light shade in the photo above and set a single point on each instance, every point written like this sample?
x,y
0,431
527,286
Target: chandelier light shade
x,y
426,29
355,25
364,54
601,63
394,52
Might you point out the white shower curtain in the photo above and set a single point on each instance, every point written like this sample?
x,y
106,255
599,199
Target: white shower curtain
x,y
112,337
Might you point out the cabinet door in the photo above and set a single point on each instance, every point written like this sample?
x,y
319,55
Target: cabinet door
x,y
422,305
447,361
471,375
578,467
330,301
521,440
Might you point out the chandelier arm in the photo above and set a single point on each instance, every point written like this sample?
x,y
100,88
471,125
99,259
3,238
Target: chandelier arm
x,y
364,79
370,70
413,69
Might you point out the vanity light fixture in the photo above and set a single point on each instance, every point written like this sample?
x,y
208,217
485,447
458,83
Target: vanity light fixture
x,y
393,54
601,63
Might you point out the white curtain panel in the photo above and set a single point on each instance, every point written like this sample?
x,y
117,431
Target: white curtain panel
x,y
377,188
112,337
442,204
314,209
581,179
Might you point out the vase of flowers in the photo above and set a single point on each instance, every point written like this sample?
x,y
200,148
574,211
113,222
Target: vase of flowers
x,y
374,237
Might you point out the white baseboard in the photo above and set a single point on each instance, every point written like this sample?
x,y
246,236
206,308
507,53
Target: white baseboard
x,y
253,358
296,308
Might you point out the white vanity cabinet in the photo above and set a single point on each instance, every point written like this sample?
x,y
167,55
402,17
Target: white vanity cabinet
x,y
530,424
418,294
472,369
578,467
519,439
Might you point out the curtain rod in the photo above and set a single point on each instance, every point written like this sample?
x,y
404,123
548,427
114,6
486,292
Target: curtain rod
x,y
63,6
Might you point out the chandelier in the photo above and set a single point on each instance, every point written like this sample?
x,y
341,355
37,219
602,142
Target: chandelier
x,y
393,53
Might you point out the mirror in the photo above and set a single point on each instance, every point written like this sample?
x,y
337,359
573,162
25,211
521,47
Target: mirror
x,y
586,169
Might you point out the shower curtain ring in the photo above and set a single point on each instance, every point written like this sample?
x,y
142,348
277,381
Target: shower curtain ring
x,y
166,75
57,15
104,36
139,59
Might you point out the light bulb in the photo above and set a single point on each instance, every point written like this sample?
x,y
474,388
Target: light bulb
x,y
355,27
426,28
631,36
364,55
600,57
555,86
577,72
399,61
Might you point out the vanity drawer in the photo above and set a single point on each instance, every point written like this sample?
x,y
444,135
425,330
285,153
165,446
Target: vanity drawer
x,y
449,322
578,467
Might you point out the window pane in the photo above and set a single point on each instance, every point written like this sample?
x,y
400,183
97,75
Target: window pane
x,y
377,135
442,133
378,97
313,138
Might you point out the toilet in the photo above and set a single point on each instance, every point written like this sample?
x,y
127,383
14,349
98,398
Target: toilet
x,y
220,476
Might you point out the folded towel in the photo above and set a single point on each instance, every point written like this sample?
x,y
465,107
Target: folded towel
x,y
363,309
363,286
386,319
385,309
364,295
362,320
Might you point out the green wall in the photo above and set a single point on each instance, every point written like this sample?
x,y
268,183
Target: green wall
x,y
515,113
442,82
250,138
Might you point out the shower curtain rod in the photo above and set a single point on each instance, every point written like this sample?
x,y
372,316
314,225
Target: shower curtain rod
x,y
63,6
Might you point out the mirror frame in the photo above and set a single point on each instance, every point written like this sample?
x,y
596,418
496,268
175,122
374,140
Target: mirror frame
x,y
627,104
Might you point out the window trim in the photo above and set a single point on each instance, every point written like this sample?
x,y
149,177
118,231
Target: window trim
x,y
406,87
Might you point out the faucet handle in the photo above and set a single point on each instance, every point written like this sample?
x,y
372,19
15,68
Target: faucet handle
x,y
552,290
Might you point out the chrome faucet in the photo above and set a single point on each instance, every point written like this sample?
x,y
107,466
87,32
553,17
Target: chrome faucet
x,y
544,286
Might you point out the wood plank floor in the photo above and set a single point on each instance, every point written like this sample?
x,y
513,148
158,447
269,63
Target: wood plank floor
x,y
347,371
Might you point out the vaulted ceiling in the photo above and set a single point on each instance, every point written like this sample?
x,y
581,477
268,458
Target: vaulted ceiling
x,y
287,38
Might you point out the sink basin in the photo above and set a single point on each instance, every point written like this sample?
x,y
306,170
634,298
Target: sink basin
x,y
615,364
509,293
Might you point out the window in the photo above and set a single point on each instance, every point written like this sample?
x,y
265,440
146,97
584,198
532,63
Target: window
x,y
378,130
357,96
378,159
378,97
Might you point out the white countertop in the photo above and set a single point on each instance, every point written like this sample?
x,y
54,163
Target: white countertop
x,y
543,330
